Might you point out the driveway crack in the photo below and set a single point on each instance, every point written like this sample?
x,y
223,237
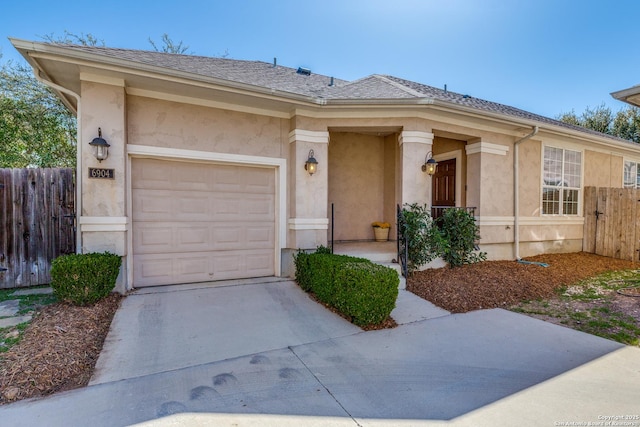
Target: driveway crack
x,y
324,386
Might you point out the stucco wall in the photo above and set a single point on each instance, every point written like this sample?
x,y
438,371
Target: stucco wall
x,y
191,127
602,169
496,183
390,175
356,183
530,171
103,107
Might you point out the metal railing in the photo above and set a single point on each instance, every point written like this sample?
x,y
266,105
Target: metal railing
x,y
438,211
402,242
332,228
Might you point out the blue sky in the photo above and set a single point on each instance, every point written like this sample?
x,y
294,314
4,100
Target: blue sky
x,y
544,56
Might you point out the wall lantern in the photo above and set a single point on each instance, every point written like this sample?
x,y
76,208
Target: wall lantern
x,y
311,164
430,164
100,147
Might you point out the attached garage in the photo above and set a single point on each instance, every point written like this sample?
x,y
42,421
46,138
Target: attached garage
x,y
197,222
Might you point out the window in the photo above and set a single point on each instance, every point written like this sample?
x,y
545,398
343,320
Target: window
x,y
562,181
631,175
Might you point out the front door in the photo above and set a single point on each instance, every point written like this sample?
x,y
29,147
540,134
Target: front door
x,y
443,190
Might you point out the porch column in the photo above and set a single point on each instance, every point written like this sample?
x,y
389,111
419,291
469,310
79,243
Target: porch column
x,y
489,190
416,184
102,220
308,221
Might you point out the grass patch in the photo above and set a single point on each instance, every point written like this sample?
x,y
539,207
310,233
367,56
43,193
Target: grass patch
x,y
588,306
11,336
29,304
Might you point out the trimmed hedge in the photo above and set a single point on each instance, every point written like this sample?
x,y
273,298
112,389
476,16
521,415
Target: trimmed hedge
x,y
358,288
84,279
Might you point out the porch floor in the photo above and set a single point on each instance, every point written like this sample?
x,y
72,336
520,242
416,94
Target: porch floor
x,y
379,252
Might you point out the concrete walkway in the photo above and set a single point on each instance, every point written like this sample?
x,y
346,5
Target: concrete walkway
x,y
265,354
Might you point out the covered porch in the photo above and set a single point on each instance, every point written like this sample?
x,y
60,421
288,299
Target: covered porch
x,y
372,171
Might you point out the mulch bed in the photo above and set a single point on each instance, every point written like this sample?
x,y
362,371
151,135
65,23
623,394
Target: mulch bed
x,y
61,345
58,351
492,284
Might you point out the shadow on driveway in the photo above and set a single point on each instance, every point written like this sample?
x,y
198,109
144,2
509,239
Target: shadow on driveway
x,y
268,349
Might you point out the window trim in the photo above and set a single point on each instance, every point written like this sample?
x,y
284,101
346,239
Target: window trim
x,y
637,163
580,188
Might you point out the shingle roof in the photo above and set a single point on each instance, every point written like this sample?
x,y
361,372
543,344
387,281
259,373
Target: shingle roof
x,y
256,73
266,75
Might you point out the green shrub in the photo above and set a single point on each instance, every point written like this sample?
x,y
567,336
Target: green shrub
x,y
364,291
323,250
83,279
460,232
424,239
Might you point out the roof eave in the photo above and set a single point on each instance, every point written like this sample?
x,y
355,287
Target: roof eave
x,y
496,116
548,127
41,74
25,47
630,95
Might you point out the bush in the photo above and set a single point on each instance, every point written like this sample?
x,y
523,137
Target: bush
x,y
364,291
84,279
460,233
424,239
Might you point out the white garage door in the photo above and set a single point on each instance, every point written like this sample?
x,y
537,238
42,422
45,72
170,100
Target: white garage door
x,y
196,222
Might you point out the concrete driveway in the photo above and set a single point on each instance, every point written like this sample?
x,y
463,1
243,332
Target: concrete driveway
x,y
263,353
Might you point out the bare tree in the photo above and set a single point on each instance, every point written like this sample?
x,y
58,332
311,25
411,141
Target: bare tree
x,y
169,46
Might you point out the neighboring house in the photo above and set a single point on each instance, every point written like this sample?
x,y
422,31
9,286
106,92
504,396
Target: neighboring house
x,y
209,161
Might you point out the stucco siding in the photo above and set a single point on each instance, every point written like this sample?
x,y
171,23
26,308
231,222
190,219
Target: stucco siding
x,y
103,107
530,171
602,169
496,188
176,125
356,183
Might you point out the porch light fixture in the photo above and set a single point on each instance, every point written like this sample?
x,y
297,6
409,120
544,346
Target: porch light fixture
x,y
311,164
430,164
100,147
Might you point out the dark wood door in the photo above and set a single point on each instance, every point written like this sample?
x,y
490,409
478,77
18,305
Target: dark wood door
x,y
444,184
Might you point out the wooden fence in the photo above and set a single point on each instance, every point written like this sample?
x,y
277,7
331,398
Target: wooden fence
x,y
612,222
37,223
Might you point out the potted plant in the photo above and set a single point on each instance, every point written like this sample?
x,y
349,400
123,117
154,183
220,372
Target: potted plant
x,y
381,231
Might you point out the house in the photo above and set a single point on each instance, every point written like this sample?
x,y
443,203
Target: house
x,y
206,176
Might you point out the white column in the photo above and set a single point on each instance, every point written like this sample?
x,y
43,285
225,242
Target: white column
x,y
308,221
416,184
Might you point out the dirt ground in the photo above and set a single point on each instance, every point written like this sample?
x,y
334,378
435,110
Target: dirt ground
x,y
58,351
61,345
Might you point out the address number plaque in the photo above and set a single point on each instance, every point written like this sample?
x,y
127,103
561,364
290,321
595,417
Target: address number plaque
x,y
101,173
